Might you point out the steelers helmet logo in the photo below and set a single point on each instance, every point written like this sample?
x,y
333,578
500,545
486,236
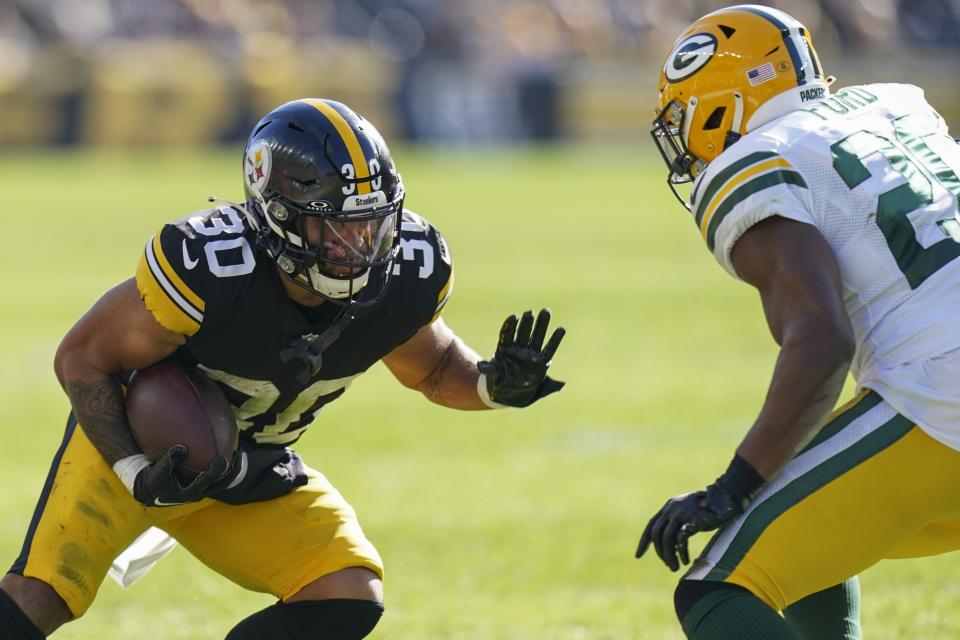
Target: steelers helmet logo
x,y
257,165
689,56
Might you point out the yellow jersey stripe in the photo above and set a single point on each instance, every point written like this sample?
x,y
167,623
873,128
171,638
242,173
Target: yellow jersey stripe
x,y
442,297
712,183
735,182
765,180
350,140
166,312
447,289
171,275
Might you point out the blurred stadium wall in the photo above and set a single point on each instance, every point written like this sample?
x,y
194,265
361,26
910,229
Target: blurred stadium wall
x,y
140,72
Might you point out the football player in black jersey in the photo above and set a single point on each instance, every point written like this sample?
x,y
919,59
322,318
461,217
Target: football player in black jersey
x,y
282,300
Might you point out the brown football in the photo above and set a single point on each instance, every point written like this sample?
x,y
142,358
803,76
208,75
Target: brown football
x,y
168,404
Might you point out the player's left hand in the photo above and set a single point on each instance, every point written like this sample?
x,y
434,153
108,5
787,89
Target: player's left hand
x,y
705,510
685,515
516,375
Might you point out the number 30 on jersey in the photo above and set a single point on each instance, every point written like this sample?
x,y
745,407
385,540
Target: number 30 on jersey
x,y
225,257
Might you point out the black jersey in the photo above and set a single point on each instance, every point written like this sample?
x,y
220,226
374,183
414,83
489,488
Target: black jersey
x,y
203,276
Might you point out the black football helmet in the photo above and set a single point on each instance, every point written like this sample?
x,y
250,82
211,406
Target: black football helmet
x,y
325,199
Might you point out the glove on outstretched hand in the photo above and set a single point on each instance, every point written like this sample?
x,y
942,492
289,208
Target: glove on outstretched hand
x,y
157,484
516,375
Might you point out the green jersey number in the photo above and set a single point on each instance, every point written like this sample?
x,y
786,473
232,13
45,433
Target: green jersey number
x,y
927,178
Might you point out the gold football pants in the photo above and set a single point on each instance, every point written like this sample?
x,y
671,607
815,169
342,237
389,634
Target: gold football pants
x,y
871,485
86,517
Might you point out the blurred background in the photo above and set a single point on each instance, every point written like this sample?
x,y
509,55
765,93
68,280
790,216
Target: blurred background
x,y
520,127
133,72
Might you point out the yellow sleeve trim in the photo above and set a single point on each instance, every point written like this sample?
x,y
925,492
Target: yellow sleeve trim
x,y
170,309
443,296
735,182
173,277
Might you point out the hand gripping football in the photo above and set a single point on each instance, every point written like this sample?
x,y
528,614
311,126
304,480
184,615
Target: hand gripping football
x,y
168,404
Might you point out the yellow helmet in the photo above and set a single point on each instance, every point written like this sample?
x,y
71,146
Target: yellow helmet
x,y
728,73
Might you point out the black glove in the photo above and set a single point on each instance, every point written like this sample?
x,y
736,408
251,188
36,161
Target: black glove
x,y
706,510
260,472
516,375
157,484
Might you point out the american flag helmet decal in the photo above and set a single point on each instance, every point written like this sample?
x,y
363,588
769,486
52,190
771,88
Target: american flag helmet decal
x,y
761,74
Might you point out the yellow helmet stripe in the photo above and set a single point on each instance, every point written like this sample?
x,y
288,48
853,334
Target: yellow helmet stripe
x,y
735,182
349,137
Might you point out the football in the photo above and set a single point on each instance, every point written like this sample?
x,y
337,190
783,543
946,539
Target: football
x,y
168,404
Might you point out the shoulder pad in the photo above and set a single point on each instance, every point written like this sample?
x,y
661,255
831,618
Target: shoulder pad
x,y
187,265
212,223
424,262
734,180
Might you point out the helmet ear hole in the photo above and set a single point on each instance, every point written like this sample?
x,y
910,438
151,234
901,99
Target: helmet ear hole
x,y
715,119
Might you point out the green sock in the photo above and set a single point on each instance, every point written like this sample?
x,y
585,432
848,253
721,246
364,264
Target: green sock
x,y
732,613
831,614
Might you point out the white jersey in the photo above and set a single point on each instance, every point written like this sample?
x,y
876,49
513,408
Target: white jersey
x,y
874,170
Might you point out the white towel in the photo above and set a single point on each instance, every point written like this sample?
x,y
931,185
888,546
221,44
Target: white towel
x,y
137,559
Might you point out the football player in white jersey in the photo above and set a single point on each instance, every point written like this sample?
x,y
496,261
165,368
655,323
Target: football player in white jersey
x,y
841,210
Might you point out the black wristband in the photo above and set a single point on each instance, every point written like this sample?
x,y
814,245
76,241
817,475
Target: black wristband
x,y
742,479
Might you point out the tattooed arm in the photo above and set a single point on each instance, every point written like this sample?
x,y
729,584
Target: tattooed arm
x,y
117,334
440,365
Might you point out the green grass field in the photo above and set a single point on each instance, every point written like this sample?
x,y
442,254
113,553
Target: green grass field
x,y
493,525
